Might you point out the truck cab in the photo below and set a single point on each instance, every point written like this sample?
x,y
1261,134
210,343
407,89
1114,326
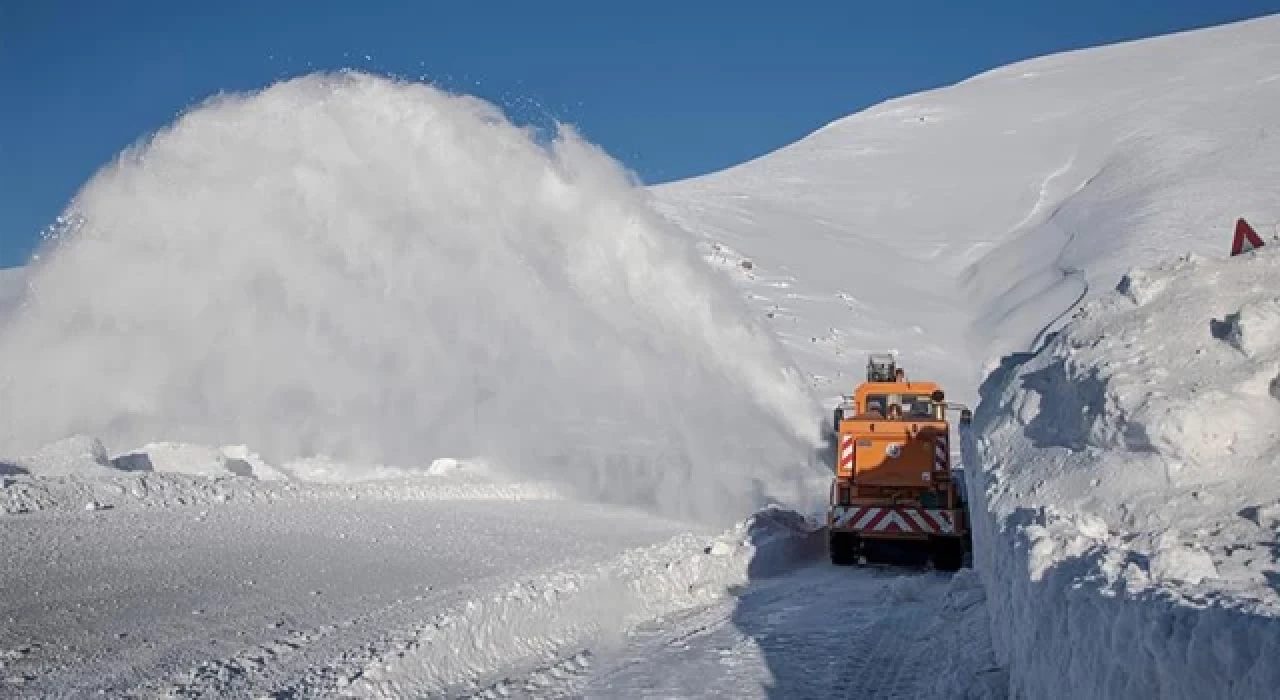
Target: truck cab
x,y
893,481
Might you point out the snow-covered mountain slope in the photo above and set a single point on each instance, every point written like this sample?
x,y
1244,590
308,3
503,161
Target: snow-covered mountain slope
x,y
953,225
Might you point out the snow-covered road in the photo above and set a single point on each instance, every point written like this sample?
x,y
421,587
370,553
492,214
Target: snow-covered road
x,y
377,597
256,597
819,632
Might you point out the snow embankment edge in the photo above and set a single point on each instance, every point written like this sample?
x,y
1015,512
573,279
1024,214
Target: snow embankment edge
x,y
1110,505
554,619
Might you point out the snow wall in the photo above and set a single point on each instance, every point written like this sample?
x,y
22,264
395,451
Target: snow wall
x,y
382,273
1127,491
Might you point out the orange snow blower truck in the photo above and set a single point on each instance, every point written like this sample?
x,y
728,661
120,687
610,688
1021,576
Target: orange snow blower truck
x,y
895,497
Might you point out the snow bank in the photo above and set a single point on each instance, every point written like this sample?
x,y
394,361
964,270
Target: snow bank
x,y
78,454
24,494
959,633
197,460
70,474
377,272
1128,495
547,621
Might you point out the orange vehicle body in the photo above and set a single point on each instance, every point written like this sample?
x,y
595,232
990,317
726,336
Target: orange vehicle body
x,y
893,479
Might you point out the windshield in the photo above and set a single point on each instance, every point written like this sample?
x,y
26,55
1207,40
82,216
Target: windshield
x,y
913,405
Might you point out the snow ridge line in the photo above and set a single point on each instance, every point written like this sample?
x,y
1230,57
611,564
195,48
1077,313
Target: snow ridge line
x,y
1067,272
1043,197
1043,335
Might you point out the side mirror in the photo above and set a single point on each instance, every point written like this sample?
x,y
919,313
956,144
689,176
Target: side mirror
x,y
938,396
966,417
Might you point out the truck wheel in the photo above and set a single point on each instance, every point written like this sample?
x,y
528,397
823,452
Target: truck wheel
x,y
843,548
948,553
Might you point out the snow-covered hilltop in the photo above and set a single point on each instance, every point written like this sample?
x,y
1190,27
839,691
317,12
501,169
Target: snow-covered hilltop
x,y
953,225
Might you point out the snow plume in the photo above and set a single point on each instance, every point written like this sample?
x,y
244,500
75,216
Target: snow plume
x,y
380,272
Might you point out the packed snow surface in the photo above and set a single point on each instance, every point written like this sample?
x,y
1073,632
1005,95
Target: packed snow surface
x,y
823,632
356,269
376,598
221,587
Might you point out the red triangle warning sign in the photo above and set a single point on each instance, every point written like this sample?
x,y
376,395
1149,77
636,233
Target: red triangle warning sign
x,y
1246,238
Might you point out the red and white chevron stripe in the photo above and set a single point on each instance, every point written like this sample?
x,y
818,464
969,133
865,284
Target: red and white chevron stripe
x,y
940,452
891,519
846,454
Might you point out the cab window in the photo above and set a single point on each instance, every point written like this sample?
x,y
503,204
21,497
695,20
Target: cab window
x,y
877,404
913,405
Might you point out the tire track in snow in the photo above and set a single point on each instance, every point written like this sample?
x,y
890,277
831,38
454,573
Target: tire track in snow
x,y
887,656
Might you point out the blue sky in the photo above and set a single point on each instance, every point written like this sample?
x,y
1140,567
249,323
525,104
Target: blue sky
x,y
672,89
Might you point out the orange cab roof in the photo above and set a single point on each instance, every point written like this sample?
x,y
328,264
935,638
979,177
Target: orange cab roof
x,y
896,388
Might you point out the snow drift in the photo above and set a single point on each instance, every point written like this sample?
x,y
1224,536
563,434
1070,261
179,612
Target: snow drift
x,y
1130,490
75,473
375,271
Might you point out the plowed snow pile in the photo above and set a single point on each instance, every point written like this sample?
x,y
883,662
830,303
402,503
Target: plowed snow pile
x,y
1131,483
353,269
